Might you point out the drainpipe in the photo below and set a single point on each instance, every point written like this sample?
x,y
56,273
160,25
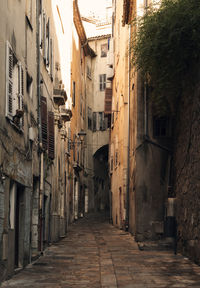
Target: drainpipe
x,y
128,146
39,127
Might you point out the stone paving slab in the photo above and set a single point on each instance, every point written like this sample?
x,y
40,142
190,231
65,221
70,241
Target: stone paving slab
x,y
95,254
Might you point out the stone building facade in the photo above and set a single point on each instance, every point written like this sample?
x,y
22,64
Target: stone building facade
x,y
33,197
140,145
118,152
81,55
19,148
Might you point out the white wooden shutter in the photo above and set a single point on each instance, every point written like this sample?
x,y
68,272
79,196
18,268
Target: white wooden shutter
x,y
20,96
20,87
9,80
48,42
40,31
44,36
51,59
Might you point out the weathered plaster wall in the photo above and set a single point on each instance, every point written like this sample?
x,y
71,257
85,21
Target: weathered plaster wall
x,y
119,130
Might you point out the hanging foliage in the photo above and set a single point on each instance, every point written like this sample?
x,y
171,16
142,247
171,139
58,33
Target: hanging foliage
x,y
166,49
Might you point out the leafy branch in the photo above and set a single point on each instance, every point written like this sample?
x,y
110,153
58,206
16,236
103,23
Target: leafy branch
x,y
166,49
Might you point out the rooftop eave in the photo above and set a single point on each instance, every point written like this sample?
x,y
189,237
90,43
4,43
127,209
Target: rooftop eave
x,y
81,31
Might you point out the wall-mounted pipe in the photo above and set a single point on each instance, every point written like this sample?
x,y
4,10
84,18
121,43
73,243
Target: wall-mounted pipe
x,y
128,146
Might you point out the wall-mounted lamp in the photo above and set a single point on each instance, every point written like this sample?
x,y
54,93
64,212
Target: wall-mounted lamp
x,y
82,134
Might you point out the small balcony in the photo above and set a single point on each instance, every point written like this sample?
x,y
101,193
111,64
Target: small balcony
x,y
66,114
59,96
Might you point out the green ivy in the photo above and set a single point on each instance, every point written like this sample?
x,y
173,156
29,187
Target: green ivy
x,y
166,49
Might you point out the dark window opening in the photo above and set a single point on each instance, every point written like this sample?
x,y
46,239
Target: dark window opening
x,y
104,50
161,127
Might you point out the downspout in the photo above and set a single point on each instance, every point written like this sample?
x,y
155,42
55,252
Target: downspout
x,y
128,146
39,127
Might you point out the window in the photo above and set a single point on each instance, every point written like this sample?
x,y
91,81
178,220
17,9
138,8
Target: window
x,y
43,108
51,138
47,52
29,84
108,43
161,127
40,25
116,158
46,43
104,50
73,93
89,118
88,72
102,79
94,121
44,31
14,88
97,121
101,120
51,59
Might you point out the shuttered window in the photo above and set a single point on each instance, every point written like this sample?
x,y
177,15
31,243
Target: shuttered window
x,y
40,25
44,121
51,59
20,100
44,24
48,43
94,121
20,103
51,137
108,101
102,82
89,118
14,88
9,81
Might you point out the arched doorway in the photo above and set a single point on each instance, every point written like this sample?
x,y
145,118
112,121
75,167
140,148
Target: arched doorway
x,y
101,179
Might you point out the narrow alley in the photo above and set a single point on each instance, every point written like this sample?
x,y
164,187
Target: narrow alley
x,y
96,254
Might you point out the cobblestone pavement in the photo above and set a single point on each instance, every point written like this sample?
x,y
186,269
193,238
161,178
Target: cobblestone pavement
x,y
96,254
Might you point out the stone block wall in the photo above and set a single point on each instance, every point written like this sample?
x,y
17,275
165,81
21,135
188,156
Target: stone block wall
x,y
187,175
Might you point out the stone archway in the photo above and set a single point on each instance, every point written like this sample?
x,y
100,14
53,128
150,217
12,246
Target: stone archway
x,y
101,179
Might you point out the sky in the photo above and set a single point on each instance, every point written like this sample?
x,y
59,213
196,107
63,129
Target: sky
x,y
95,7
